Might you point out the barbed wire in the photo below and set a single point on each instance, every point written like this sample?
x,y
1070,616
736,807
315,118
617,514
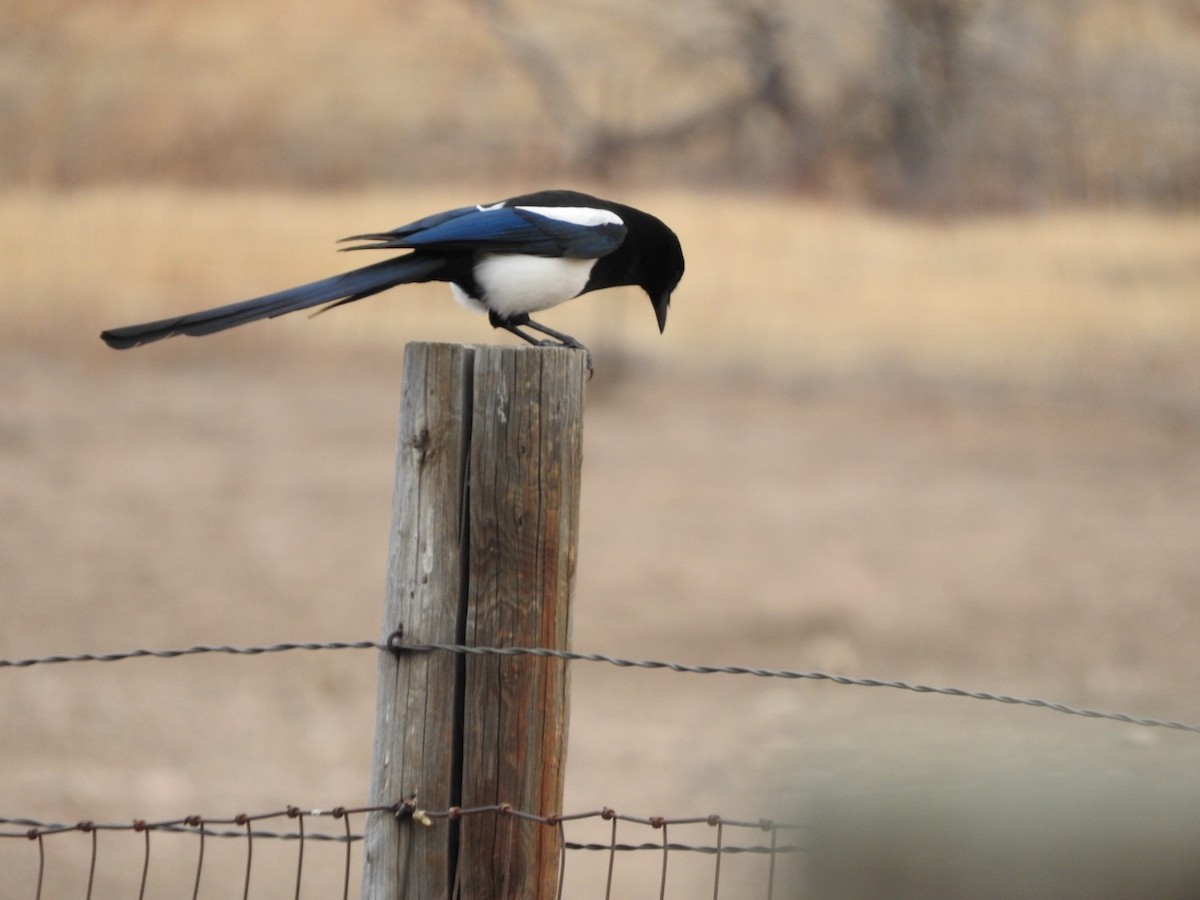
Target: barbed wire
x,y
396,644
203,827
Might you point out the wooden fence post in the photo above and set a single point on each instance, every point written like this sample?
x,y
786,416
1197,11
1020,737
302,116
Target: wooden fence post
x,y
483,548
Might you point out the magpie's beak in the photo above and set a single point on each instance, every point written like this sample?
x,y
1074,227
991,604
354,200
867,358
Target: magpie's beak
x,y
661,303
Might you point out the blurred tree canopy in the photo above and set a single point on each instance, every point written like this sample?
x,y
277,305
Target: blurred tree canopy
x,y
932,104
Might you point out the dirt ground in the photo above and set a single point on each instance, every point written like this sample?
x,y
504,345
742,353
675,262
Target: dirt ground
x,y
1036,543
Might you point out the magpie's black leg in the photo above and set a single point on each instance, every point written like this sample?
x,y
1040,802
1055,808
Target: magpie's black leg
x,y
565,339
513,329
514,324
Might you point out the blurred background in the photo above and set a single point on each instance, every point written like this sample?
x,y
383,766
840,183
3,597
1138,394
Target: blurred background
x,y
927,406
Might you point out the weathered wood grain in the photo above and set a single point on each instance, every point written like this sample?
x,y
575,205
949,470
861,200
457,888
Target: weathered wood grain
x,y
483,552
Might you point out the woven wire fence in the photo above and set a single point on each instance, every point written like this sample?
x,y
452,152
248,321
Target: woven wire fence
x,y
765,841
601,844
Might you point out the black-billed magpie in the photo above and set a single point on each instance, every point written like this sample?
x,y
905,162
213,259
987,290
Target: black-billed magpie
x,y
508,259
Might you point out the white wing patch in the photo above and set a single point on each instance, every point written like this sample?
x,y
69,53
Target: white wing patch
x,y
576,215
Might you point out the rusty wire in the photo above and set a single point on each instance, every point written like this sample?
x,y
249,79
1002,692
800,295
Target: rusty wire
x,y
203,827
395,644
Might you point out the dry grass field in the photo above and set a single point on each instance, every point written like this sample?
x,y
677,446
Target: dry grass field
x,y
962,453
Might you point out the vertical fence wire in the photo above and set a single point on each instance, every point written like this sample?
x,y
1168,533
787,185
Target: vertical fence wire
x,y
662,885
243,819
41,865
612,853
456,890
92,864
345,817
562,858
510,840
298,815
771,866
717,870
141,826
198,822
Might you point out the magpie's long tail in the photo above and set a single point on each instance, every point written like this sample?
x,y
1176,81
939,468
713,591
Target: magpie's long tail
x,y
339,289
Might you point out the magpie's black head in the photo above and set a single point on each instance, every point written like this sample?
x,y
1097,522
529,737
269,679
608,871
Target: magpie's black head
x,y
659,263
649,256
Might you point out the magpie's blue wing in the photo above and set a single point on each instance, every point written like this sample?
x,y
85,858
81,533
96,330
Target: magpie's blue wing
x,y
500,229
420,225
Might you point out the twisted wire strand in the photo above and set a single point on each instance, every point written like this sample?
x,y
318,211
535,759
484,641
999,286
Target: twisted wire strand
x,y
188,651
396,645
811,676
